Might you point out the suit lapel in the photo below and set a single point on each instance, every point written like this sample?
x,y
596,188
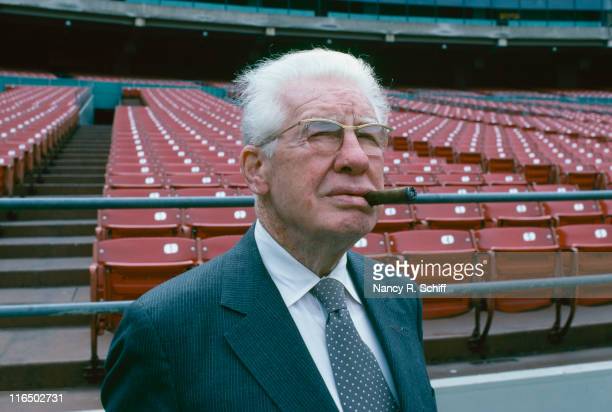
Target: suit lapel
x,y
398,336
266,339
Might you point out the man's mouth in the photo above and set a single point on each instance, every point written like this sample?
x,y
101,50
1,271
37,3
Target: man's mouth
x,y
350,197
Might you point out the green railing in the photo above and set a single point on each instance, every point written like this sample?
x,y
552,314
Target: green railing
x,y
237,201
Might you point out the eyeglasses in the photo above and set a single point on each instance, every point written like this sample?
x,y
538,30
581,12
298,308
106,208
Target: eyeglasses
x,y
326,136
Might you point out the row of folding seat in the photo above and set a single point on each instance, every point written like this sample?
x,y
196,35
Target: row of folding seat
x,y
126,268
208,222
32,122
531,116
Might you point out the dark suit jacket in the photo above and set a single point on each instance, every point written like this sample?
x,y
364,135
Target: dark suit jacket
x,y
220,338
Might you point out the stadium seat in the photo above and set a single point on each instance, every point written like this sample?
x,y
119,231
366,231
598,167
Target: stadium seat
x,y
504,179
120,223
452,189
437,247
124,269
462,168
520,253
205,192
200,180
573,212
456,179
394,218
585,176
504,188
591,247
411,179
218,221
373,245
152,193
516,214
215,246
132,181
450,216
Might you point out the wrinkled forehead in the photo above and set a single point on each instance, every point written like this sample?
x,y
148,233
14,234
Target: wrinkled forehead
x,y
339,100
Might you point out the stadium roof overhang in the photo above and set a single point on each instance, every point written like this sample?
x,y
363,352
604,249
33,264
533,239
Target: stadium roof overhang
x,y
146,15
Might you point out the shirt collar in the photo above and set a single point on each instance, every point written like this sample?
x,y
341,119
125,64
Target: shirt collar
x,y
293,279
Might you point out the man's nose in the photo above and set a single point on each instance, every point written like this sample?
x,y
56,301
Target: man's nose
x,y
351,157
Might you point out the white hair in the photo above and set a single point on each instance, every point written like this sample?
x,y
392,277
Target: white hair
x,y
261,86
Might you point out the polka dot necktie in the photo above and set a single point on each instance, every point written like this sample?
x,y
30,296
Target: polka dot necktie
x,y
359,380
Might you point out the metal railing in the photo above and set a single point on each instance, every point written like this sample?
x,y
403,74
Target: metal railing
x,y
474,289
237,201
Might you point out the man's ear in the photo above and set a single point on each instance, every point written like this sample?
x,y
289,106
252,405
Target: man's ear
x,y
253,164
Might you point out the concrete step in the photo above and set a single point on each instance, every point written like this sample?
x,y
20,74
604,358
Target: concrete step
x,y
80,162
41,247
72,178
51,357
84,145
93,154
78,398
73,227
80,169
66,294
68,189
44,272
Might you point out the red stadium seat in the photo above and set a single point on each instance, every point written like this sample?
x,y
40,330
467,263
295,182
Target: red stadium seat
x,y
412,179
462,168
452,189
132,181
504,179
516,214
555,188
180,181
373,245
504,188
394,218
586,177
130,168
218,221
152,193
124,269
215,246
436,247
606,208
520,253
450,216
205,192
591,247
119,223
456,179
573,212
181,168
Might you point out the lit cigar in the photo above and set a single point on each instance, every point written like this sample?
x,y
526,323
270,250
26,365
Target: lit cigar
x,y
391,196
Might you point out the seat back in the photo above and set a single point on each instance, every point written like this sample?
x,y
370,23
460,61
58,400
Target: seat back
x,y
119,223
520,253
592,254
215,246
218,221
433,249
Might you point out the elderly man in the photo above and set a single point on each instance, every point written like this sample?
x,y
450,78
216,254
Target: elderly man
x,y
280,322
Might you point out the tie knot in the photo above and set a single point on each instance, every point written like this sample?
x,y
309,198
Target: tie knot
x,y
330,293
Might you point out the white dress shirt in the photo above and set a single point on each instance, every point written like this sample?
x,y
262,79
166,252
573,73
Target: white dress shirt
x,y
294,281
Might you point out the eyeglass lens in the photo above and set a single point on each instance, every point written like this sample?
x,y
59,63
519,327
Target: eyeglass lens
x,y
327,136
